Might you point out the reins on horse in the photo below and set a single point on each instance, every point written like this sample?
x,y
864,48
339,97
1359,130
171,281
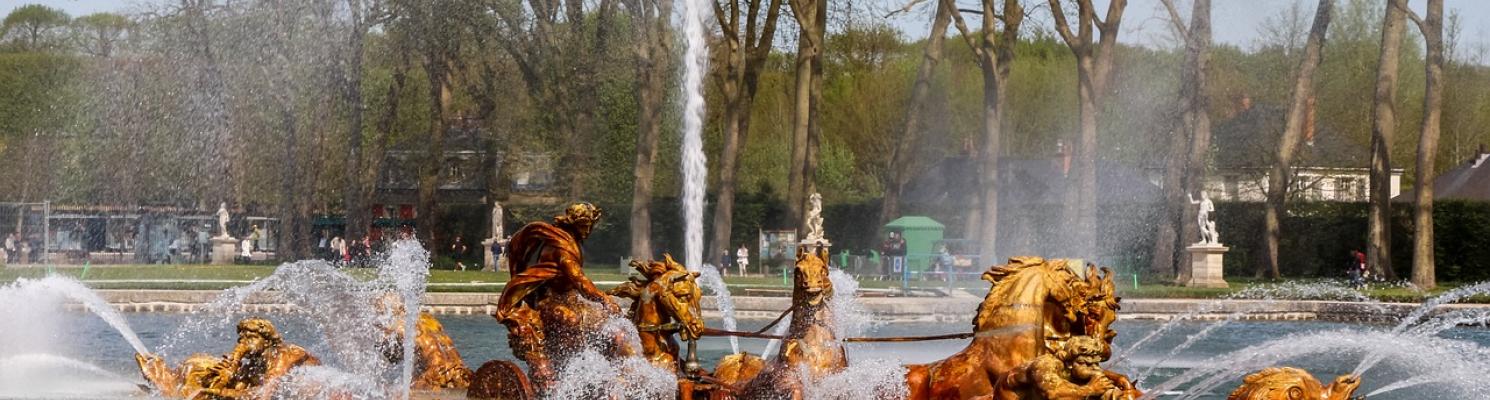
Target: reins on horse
x,y
760,335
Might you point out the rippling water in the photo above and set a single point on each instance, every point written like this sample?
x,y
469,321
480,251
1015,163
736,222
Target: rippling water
x,y
480,338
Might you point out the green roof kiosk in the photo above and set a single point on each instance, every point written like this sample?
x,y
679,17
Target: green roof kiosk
x,y
921,234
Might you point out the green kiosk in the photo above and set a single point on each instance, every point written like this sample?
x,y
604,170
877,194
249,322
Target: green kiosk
x,y
921,236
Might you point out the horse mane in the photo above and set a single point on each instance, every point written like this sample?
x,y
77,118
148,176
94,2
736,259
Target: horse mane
x,y
1002,288
1101,287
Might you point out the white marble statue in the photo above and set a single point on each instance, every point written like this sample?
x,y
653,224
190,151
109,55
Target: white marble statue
x,y
814,219
1208,234
222,221
496,220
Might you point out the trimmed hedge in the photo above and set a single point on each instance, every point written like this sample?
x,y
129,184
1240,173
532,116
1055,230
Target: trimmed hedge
x,y
1317,236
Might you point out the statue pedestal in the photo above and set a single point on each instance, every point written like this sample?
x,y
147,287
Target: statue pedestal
x,y
1205,265
223,250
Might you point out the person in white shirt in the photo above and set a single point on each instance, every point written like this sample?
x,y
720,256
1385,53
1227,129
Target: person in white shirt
x,y
742,259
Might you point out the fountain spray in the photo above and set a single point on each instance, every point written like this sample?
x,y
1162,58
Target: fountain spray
x,y
695,164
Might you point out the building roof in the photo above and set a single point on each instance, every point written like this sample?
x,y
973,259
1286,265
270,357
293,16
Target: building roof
x,y
1468,181
915,223
1250,140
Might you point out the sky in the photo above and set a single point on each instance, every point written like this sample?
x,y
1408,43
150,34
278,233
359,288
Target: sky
x,y
1234,21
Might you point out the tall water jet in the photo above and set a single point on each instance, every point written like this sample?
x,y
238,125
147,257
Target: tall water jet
x,y
695,168
695,164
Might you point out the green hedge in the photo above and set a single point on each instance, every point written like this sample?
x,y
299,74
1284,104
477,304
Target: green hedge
x,y
1318,236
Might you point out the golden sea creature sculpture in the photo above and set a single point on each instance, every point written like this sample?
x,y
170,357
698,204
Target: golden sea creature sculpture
x,y
437,363
1288,383
1072,373
251,371
664,302
1033,308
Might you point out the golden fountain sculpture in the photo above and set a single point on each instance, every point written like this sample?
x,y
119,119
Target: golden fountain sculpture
x,y
665,301
1034,308
251,371
548,304
1287,383
809,345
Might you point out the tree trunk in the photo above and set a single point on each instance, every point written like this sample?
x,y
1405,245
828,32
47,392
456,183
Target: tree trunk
x,y
354,201
810,21
1093,69
1293,132
1198,122
1189,146
801,108
901,153
1383,123
652,72
995,53
429,172
746,60
814,120
1422,241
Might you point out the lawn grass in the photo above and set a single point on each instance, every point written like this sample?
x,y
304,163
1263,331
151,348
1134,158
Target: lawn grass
x,y
218,277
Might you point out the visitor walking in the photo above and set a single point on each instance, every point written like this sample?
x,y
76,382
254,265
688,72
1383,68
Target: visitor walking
x,y
742,259
458,250
1355,267
724,263
254,237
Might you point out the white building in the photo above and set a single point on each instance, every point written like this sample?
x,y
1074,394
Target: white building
x,y
1329,166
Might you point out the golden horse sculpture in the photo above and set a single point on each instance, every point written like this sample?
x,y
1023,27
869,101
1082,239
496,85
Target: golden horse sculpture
x,y
251,371
1034,307
809,345
1287,383
665,301
548,305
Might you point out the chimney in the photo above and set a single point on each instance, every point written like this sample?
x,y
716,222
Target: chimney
x,y
1309,123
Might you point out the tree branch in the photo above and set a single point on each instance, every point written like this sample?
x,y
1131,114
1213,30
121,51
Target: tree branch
x,y
1174,19
1416,20
963,31
907,8
1061,26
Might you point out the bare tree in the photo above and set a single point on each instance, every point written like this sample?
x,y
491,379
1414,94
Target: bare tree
x,y
1189,144
901,151
99,33
994,49
812,23
1383,123
1280,177
653,50
363,15
1422,217
1093,69
746,49
556,46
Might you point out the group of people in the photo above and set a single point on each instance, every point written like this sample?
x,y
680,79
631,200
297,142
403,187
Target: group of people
x,y
16,249
740,261
353,253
